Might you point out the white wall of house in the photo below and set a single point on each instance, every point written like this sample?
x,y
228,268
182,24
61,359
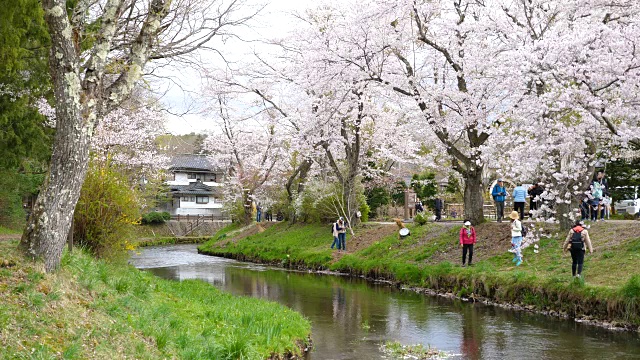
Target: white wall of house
x,y
183,179
188,211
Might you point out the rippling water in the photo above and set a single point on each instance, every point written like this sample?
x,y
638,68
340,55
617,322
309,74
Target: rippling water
x,y
352,317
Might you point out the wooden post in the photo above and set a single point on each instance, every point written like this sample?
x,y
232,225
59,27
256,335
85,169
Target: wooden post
x,y
406,204
70,236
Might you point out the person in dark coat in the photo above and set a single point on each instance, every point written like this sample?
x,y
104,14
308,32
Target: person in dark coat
x,y
534,192
439,204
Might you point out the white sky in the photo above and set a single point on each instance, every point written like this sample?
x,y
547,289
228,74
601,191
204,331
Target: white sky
x,y
182,89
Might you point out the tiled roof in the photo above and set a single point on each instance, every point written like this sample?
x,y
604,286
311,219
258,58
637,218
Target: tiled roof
x,y
195,188
191,162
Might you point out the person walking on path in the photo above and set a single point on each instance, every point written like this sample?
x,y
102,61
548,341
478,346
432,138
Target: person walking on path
x,y
342,235
516,237
577,242
519,199
258,213
499,193
336,235
467,239
439,204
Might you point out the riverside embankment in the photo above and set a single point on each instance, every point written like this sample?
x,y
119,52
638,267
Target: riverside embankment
x,y
92,309
608,294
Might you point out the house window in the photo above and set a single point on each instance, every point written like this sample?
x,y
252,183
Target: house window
x,y
202,199
197,176
188,198
211,177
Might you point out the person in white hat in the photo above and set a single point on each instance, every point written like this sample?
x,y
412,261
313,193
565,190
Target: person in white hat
x,y
516,237
467,240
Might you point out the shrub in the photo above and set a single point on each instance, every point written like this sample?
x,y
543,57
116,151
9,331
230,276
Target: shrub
x,y
106,211
631,290
155,217
420,218
364,212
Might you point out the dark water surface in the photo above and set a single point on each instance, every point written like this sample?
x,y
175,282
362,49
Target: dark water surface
x,y
352,317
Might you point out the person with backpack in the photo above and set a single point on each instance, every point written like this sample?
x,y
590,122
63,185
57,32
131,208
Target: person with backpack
x,y
335,230
596,194
467,240
516,237
605,202
577,242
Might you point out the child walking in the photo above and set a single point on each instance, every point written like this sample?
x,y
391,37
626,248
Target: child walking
x,y
467,240
516,237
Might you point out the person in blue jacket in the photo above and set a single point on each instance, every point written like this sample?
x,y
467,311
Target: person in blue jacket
x,y
519,199
499,193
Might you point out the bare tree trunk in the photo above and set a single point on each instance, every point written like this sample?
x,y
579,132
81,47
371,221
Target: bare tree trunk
x,y
473,201
562,211
46,231
79,103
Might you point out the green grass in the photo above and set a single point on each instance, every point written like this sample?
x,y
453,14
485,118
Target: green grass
x,y
93,309
170,240
278,244
609,289
7,231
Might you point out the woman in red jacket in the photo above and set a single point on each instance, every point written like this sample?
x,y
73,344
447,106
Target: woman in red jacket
x,y
467,239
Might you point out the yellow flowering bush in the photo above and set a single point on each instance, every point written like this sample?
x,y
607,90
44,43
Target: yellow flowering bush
x,y
107,210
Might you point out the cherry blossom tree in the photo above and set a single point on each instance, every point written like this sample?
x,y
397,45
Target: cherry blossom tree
x,y
248,147
579,61
99,49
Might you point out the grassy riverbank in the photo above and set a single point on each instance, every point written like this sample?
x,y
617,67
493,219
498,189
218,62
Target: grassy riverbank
x,y
91,309
430,258
169,240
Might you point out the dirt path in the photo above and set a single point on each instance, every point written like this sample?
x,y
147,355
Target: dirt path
x,y
7,237
366,238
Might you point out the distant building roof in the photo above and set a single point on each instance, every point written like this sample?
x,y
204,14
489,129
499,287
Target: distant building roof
x,y
195,188
191,162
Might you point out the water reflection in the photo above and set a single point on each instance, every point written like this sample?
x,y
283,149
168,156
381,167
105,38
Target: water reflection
x,y
351,317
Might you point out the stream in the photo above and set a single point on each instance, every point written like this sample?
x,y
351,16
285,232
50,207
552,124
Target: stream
x,y
352,317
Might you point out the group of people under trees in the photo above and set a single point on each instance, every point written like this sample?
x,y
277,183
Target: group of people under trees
x,y
520,193
577,242
597,200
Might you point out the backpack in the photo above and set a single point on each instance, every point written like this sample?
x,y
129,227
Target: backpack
x,y
524,230
597,190
333,227
576,240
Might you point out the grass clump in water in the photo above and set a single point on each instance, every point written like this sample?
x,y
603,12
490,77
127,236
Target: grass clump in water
x,y
419,352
